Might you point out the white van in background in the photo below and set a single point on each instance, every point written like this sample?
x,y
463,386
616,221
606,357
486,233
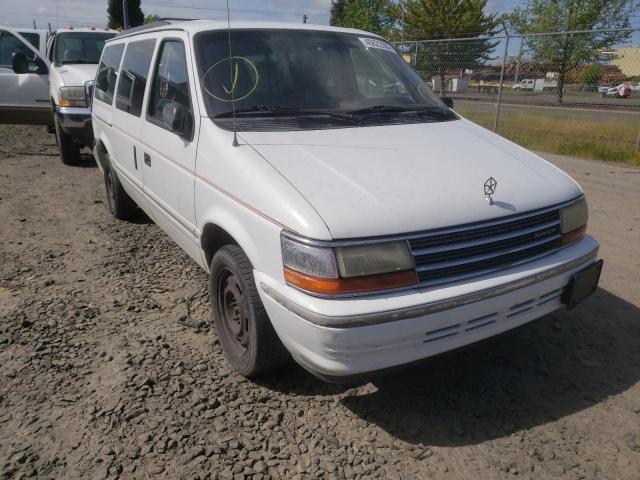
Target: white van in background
x,y
51,84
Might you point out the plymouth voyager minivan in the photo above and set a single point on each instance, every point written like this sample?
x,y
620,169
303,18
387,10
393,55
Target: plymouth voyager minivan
x,y
346,214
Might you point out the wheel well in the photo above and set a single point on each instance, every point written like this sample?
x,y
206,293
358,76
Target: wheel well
x,y
103,155
213,238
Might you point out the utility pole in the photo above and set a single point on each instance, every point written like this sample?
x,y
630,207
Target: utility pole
x,y
305,17
402,26
34,24
125,14
526,14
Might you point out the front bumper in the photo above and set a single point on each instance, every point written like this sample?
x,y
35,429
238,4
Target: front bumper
x,y
76,122
342,338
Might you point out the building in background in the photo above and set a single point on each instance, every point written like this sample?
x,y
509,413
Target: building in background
x,y
627,59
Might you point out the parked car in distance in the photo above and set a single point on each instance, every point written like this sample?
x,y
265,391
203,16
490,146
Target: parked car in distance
x,y
74,54
351,225
24,93
620,91
526,84
538,85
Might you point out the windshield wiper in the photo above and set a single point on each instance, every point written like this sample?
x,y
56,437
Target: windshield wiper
x,y
270,110
400,109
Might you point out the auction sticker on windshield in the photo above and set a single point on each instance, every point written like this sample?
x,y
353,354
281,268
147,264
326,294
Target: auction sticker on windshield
x,y
375,43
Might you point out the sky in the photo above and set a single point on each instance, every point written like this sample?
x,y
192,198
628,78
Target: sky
x,y
63,13
93,12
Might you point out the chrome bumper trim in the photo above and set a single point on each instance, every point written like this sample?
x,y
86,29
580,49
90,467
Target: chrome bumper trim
x,y
425,309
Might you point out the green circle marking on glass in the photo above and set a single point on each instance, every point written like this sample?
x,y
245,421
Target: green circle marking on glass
x,y
239,89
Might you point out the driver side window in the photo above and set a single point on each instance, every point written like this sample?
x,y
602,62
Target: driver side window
x,y
170,81
9,44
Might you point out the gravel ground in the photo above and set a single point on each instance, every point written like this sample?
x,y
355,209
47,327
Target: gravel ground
x,y
101,376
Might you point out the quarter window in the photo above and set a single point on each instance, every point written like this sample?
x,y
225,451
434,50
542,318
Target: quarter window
x,y
108,73
170,81
133,76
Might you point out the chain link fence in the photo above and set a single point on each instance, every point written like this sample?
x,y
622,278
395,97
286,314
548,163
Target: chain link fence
x,y
548,91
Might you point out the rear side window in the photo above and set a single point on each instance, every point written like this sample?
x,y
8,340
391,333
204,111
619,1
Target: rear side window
x,y
170,80
108,73
133,76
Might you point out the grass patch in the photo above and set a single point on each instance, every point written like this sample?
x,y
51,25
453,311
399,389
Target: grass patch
x,y
608,136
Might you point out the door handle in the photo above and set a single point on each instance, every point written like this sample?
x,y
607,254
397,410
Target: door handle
x,y
135,158
147,159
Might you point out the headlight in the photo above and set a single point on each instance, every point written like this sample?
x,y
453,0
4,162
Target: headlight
x,y
72,97
373,259
349,269
573,221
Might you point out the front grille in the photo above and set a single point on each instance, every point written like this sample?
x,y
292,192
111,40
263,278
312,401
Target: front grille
x,y
456,253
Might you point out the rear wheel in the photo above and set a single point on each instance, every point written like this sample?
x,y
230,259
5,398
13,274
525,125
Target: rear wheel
x,y
120,203
69,151
248,339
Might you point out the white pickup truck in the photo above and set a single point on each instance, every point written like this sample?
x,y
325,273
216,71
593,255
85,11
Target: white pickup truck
x,y
52,86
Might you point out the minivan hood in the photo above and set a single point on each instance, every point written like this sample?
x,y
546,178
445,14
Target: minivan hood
x,y
386,180
77,74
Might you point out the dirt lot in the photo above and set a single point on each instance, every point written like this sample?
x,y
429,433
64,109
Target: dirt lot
x,y
100,377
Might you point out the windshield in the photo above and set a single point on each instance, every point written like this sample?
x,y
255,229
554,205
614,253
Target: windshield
x,y
279,72
79,47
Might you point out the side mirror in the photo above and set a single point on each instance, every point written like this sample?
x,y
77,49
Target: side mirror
x,y
41,67
448,101
175,119
19,62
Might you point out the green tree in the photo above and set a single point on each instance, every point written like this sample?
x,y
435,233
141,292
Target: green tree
x,y
338,10
114,10
377,16
446,20
151,18
592,74
561,53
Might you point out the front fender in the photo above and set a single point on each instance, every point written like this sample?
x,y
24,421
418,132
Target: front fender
x,y
258,236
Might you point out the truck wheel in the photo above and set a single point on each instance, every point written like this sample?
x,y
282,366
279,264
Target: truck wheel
x,y
120,203
248,339
69,151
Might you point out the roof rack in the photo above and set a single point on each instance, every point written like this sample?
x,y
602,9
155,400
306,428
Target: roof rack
x,y
161,22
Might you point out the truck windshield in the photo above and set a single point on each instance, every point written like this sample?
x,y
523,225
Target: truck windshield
x,y
79,47
275,73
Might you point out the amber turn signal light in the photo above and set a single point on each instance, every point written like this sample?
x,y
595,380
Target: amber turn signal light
x,y
573,235
369,283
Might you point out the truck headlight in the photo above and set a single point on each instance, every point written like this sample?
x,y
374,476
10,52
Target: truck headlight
x,y
347,269
573,221
72,97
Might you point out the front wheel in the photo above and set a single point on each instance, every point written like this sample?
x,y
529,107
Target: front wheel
x,y
248,339
69,151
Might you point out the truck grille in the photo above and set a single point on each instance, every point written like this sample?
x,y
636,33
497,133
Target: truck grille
x,y
452,254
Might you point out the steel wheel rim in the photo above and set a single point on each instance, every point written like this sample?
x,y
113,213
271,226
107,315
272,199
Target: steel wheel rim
x,y
233,313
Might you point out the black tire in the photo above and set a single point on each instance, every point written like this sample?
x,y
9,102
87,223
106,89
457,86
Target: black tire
x,y
120,203
248,339
69,151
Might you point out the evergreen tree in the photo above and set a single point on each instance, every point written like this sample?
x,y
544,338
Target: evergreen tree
x,y
445,20
338,10
377,16
114,10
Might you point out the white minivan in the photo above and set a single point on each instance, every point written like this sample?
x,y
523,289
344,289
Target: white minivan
x,y
354,226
